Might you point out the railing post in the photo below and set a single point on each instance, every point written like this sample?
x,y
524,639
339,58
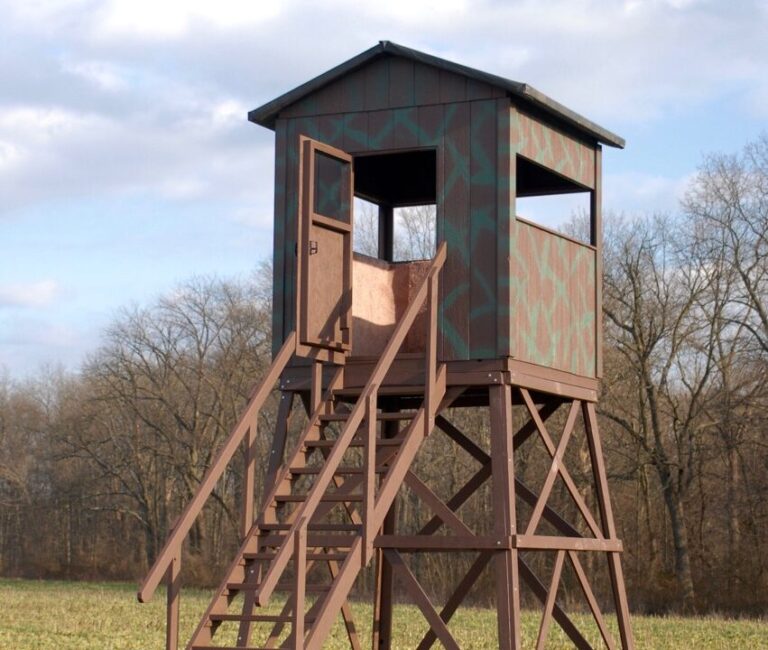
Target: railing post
x,y
369,474
300,582
173,590
249,478
431,370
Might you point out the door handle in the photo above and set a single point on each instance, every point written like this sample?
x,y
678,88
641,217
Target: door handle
x,y
312,247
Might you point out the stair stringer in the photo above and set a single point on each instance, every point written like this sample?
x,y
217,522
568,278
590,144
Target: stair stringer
x,y
341,586
236,571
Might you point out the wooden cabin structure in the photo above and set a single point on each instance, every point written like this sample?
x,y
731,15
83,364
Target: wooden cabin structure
x,y
505,317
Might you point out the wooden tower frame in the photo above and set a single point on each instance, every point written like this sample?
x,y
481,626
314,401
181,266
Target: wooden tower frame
x,y
506,317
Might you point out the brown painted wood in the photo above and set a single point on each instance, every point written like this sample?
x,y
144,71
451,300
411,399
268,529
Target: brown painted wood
x,y
401,82
483,230
377,85
556,543
591,600
453,87
280,257
335,598
421,599
324,256
300,583
550,601
443,543
453,432
455,213
437,506
505,518
346,613
558,467
505,224
384,582
596,239
457,597
173,589
172,547
606,511
397,469
555,469
563,620
381,130
426,85
249,479
369,475
406,128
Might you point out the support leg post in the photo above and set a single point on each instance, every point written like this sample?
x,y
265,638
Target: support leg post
x,y
384,585
505,522
606,512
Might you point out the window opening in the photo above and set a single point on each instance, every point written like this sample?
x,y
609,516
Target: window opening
x,y
548,199
564,213
365,233
415,230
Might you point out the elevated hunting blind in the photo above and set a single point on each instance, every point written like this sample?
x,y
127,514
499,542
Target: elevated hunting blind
x,y
505,317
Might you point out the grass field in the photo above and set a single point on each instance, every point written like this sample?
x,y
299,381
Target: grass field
x,y
68,616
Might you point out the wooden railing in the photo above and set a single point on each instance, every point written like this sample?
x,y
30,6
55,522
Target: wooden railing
x,y
168,563
365,410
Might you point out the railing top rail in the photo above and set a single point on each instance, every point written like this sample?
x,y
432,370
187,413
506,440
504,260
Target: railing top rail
x,y
185,522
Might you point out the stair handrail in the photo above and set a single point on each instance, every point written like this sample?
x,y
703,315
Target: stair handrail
x,y
355,419
168,559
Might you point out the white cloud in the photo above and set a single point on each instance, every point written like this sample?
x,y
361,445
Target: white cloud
x,y
643,192
104,75
175,18
32,294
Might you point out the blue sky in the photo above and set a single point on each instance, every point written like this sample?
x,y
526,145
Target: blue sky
x,y
127,164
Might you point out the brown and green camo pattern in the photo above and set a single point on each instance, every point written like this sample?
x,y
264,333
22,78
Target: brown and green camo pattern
x,y
488,303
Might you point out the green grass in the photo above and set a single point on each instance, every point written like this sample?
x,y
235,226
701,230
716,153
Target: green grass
x,y
69,616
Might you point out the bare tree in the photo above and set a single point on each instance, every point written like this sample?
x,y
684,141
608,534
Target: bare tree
x,y
727,203
163,392
655,324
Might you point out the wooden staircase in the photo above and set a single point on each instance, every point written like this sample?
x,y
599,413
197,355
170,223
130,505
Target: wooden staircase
x,y
315,514
316,530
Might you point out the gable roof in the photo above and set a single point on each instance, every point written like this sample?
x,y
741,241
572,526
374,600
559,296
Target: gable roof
x,y
267,114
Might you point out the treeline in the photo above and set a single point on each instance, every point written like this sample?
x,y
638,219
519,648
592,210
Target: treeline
x,y
95,466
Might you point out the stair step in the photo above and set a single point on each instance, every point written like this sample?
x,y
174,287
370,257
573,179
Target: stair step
x,y
299,498
304,471
333,528
356,442
315,540
317,557
396,416
417,390
257,618
281,586
227,647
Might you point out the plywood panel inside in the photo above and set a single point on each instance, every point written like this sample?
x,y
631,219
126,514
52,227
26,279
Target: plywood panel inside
x,y
381,292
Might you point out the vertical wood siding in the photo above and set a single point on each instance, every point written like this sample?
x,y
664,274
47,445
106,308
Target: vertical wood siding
x,y
552,148
505,285
555,318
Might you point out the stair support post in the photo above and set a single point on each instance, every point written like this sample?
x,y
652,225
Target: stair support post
x,y
369,475
300,583
173,589
430,397
249,480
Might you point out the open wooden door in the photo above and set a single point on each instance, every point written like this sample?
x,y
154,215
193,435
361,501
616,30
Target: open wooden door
x,y
324,309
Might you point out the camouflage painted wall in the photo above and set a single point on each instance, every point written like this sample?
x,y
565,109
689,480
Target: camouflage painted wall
x,y
396,104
